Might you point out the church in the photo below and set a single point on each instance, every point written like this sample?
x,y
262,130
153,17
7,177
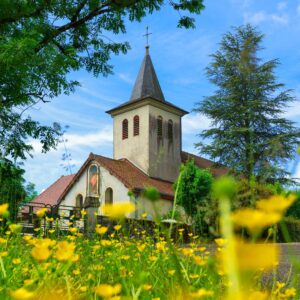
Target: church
x,y
147,152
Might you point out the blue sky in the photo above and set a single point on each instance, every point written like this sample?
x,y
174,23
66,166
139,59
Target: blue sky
x,y
179,57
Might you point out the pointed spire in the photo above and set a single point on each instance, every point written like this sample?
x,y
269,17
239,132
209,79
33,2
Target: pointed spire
x,y
147,84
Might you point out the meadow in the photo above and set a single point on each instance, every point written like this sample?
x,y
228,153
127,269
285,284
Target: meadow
x,y
111,264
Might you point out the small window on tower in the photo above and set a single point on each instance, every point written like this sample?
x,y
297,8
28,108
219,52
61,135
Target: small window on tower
x,y
159,127
170,130
125,129
136,125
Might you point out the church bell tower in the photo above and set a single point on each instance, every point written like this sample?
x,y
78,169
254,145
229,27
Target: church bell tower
x,y
147,128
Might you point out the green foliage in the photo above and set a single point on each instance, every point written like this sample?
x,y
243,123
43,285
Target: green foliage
x,y
294,210
12,189
193,186
151,194
249,133
42,41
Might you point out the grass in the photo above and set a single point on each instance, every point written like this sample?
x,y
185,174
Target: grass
x,y
113,265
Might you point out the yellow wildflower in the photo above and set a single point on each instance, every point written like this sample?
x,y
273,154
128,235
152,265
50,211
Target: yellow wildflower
x,y
65,251
51,230
107,291
2,240
3,253
4,209
28,281
105,242
41,212
15,228
220,242
144,215
201,293
171,272
141,247
21,293
49,219
119,210
147,287
83,289
16,261
40,252
160,246
101,230
73,230
254,220
117,227
76,272
83,212
277,204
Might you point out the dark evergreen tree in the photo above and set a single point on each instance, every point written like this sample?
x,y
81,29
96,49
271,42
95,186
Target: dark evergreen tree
x,y
249,133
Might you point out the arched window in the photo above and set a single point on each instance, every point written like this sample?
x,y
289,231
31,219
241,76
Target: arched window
x,y
159,127
125,129
170,130
93,181
109,196
78,205
136,125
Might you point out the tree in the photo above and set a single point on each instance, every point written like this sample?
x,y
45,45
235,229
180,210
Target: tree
x,y
41,41
249,133
193,186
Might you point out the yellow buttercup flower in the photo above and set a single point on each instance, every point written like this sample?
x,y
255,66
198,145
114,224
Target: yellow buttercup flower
x,y
65,251
201,293
83,212
276,204
4,209
21,293
119,210
147,287
41,212
73,230
117,227
108,291
101,230
3,253
15,228
16,261
41,252
253,219
2,240
220,242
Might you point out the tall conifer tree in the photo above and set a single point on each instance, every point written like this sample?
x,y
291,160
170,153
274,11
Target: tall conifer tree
x,y
249,132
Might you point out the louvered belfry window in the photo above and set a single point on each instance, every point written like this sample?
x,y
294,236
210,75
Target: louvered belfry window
x,y
136,125
170,130
159,127
125,129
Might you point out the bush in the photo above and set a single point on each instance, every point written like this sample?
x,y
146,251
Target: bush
x,y
292,226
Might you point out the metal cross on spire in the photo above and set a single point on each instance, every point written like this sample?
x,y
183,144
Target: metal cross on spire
x,y
147,36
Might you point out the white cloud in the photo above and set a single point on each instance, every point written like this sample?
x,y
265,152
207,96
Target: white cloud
x,y
89,140
281,5
194,123
298,9
261,16
126,78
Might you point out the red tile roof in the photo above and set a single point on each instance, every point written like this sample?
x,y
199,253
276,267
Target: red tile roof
x,y
54,191
204,163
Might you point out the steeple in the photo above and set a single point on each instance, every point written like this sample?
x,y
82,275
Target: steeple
x,y
147,84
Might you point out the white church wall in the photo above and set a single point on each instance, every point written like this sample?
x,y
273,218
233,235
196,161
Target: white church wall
x,y
107,180
134,148
164,156
162,206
